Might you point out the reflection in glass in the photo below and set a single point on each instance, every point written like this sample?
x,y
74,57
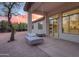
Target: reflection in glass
x,y
74,24
55,26
71,24
66,24
50,25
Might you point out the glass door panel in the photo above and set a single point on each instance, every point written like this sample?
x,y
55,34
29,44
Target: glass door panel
x,y
55,28
51,27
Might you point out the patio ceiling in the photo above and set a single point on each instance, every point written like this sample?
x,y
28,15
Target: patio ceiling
x,y
45,6
52,7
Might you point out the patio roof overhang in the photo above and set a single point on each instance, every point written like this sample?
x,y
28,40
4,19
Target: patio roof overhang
x,y
28,6
50,7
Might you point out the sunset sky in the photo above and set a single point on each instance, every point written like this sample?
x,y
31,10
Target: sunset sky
x,y
22,18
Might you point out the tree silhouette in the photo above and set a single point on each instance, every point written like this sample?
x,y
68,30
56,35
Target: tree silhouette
x,y
8,9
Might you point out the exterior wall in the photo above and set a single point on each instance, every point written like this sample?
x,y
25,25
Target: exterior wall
x,y
39,31
70,37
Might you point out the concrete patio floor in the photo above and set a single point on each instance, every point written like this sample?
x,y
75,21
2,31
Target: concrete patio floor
x,y
50,47
18,48
60,48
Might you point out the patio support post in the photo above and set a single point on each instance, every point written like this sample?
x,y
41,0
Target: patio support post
x,y
60,25
29,22
47,24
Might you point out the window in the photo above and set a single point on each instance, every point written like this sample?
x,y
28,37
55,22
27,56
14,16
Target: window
x,y
51,21
74,24
40,25
65,24
71,23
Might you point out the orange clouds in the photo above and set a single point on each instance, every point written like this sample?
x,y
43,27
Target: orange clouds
x,y
21,18
24,18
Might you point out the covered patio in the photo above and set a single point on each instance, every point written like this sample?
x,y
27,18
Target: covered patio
x,y
50,9
51,47
47,9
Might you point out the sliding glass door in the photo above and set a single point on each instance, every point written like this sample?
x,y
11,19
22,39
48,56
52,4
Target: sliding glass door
x,y
55,28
